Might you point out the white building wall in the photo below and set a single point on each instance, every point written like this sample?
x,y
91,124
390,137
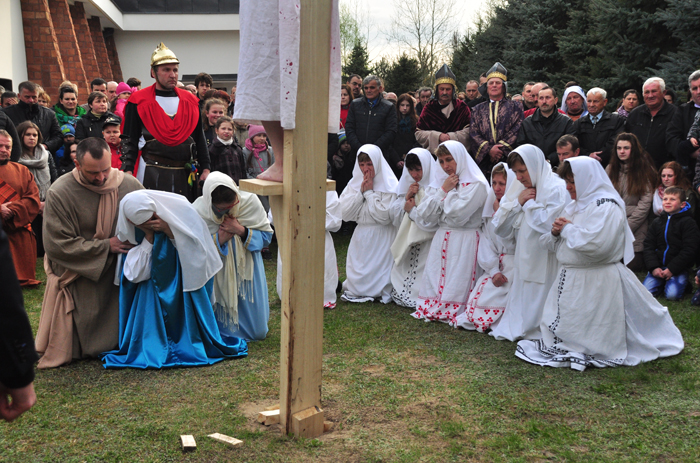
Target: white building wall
x,y
214,52
13,59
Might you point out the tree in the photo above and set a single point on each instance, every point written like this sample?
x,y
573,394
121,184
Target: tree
x,y
381,69
403,75
351,24
424,28
358,61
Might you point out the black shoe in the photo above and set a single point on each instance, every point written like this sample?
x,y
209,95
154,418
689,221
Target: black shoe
x,y
266,254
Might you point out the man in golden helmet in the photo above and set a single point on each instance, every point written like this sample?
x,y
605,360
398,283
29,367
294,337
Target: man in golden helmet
x,y
166,118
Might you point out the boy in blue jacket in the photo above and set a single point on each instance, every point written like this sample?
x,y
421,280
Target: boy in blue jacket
x,y
671,246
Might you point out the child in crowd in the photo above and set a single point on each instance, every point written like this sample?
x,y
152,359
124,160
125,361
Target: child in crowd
x,y
123,93
68,132
671,246
526,211
456,206
225,154
259,156
111,132
496,256
90,125
412,244
367,200
632,173
342,163
67,163
405,138
214,108
671,174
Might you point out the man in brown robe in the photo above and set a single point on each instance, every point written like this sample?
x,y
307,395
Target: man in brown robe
x,y
80,313
19,205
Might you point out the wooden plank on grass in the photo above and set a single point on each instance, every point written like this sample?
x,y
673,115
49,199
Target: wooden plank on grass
x,y
269,417
232,441
188,443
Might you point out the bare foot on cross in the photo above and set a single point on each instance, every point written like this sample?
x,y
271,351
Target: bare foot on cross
x,y
274,173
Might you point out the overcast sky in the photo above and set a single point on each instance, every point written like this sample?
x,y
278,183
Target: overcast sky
x,y
381,13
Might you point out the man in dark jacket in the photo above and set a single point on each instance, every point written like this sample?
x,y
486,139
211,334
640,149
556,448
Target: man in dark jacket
x,y
596,131
677,134
650,121
7,125
29,109
17,352
545,126
372,119
671,246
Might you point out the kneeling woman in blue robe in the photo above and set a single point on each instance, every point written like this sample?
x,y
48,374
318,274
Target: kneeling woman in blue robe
x,y
240,230
166,317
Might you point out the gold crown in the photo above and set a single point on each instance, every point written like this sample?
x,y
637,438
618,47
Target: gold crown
x,y
499,75
163,55
445,80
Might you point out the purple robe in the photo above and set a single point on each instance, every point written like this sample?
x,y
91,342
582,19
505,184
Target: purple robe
x,y
486,132
432,118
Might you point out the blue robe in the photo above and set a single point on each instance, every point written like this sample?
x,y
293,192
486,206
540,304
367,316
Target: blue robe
x,y
252,316
162,326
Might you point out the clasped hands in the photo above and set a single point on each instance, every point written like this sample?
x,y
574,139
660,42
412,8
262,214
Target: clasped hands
x,y
559,225
229,228
411,197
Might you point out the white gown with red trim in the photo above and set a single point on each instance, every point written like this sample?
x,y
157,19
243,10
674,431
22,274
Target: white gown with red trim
x,y
487,302
451,270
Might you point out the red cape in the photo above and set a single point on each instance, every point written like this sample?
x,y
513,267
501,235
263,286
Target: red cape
x,y
169,131
432,118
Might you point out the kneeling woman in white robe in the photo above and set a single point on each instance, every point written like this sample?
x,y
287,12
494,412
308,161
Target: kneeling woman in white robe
x,y
165,312
412,244
457,203
527,210
496,255
367,200
330,264
239,229
597,312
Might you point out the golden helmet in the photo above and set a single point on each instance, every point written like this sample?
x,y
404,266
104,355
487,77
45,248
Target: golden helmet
x,y
163,55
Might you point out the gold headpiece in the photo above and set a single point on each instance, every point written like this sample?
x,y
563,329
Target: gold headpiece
x,y
163,55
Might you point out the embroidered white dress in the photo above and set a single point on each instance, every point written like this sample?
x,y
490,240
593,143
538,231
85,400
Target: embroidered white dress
x,y
409,261
451,270
487,303
597,312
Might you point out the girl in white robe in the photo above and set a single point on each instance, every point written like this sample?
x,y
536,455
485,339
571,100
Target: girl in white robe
x,y
456,204
527,210
330,275
496,255
367,200
597,312
412,244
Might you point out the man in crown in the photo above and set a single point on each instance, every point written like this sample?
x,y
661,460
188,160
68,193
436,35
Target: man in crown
x,y
445,117
163,121
495,123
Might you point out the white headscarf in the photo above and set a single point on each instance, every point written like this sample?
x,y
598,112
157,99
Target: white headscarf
x,y
491,197
576,89
236,278
593,184
384,179
532,258
198,256
467,170
429,166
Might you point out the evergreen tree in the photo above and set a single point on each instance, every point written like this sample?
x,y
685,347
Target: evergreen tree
x,y
381,69
403,75
358,61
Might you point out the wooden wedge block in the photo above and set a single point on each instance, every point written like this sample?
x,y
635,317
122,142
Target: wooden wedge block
x,y
272,407
269,417
327,426
233,442
188,443
308,423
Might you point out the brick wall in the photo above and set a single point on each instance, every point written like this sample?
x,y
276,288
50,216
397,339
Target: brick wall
x,y
62,43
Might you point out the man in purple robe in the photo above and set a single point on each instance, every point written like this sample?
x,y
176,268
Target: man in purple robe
x,y
495,123
445,117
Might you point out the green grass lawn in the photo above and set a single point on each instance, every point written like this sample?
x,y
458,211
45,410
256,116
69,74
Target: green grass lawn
x,y
397,389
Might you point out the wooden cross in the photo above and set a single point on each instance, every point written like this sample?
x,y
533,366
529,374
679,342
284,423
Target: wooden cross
x,y
299,210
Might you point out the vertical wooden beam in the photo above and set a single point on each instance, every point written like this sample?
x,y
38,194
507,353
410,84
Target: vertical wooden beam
x,y
304,204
